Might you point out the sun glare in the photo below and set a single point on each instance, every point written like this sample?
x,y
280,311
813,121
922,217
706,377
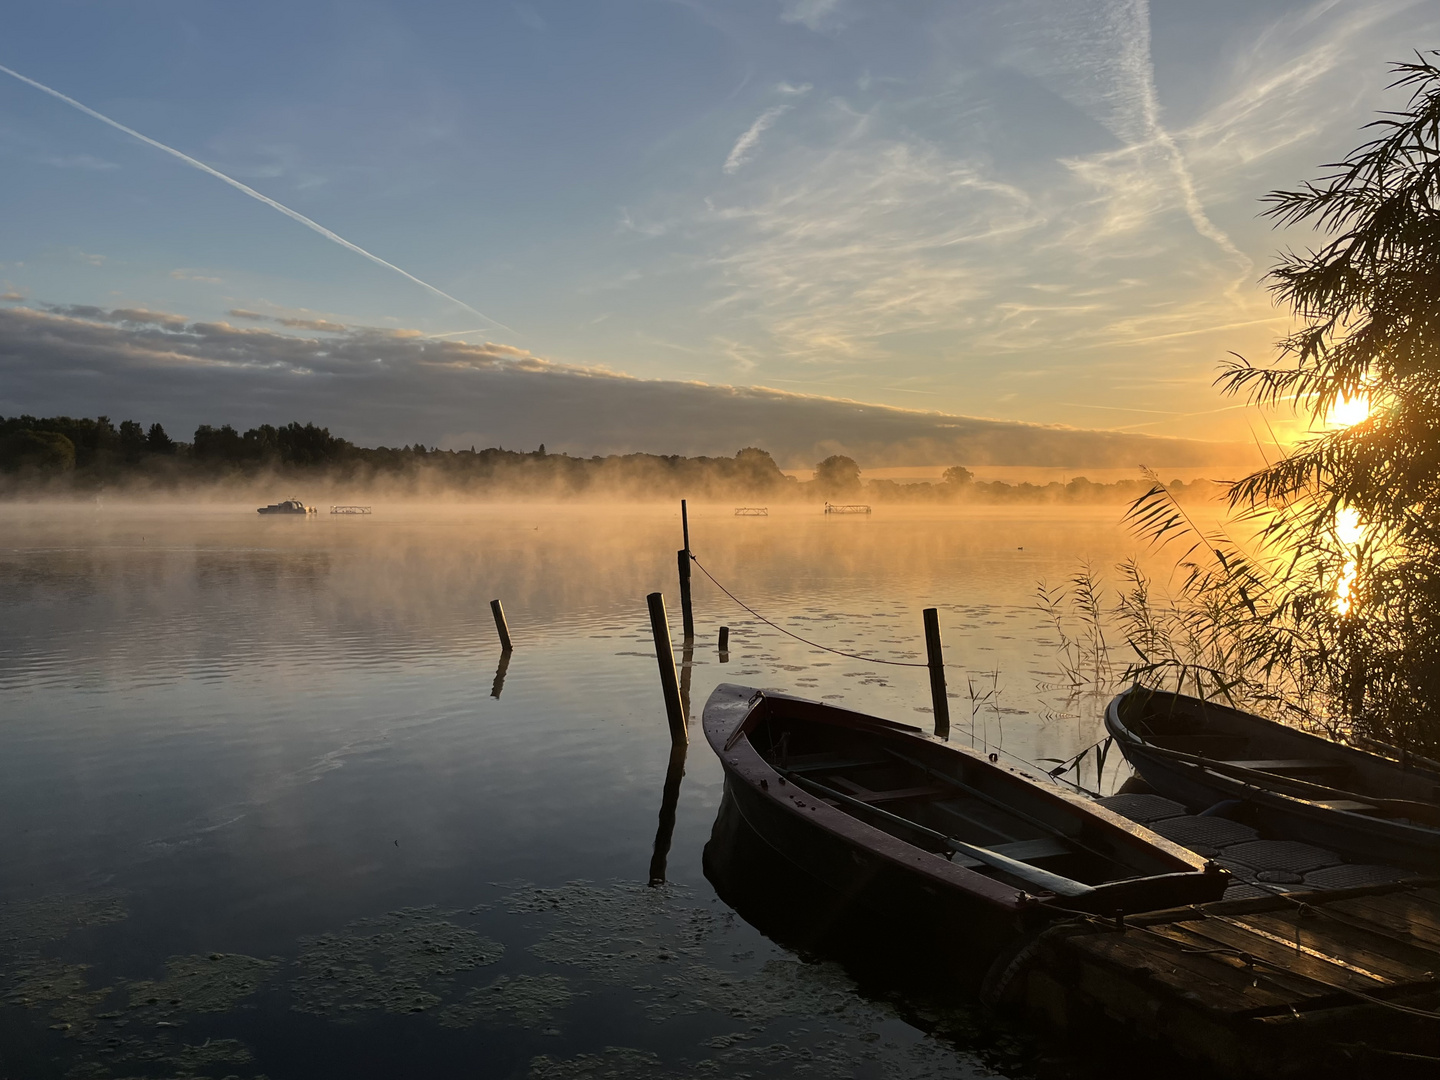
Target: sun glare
x,y
1348,410
1349,530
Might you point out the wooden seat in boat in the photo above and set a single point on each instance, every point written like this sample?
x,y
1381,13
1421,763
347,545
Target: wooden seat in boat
x,y
1047,847
869,795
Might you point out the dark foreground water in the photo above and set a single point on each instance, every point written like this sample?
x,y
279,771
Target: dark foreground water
x,y
271,803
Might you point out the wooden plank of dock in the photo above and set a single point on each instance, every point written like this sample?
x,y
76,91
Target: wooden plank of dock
x,y
1340,983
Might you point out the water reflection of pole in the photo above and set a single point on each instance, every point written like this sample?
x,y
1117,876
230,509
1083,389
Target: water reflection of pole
x,y
500,670
674,773
687,661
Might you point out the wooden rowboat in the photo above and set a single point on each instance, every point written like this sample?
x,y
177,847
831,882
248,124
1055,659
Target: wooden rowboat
x,y
880,811
1297,786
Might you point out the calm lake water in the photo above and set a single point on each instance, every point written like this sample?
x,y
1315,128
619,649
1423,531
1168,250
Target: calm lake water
x,y
271,809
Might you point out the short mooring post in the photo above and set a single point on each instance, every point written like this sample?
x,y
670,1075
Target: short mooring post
x,y
936,662
500,627
724,639
665,656
687,613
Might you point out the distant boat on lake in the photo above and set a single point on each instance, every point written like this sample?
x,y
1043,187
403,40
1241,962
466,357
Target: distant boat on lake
x,y
1298,786
880,811
289,506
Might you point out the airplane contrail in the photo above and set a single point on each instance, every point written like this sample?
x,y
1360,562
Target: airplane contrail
x,y
294,215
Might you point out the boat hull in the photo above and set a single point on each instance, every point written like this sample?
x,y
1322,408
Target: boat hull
x,y
859,880
867,856
1358,836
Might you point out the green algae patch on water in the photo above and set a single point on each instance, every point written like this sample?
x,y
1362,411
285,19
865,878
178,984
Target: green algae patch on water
x,y
216,982
532,1001
402,962
62,988
27,924
613,1063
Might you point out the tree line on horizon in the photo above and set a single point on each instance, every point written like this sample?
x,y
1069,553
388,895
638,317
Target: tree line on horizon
x,y
60,453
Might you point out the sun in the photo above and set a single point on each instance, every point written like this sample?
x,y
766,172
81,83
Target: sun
x,y
1348,410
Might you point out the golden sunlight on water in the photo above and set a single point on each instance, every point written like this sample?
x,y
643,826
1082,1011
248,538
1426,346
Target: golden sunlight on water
x,y
1350,531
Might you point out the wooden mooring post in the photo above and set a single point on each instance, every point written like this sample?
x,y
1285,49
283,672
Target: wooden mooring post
x,y
665,656
936,662
682,558
500,626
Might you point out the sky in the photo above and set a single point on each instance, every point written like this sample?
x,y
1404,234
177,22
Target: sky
x,y
1041,212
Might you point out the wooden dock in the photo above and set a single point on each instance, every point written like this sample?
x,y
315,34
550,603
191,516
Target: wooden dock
x,y
1339,983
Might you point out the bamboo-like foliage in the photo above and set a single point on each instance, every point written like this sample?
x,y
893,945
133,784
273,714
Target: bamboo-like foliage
x,y
1340,627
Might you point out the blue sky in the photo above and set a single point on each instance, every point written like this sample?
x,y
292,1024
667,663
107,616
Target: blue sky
x,y
1037,210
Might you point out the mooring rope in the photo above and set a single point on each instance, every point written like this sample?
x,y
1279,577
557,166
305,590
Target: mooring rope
x,y
797,637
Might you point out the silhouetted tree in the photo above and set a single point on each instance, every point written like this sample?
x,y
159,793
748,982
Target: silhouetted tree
x,y
132,443
44,451
157,442
837,476
224,445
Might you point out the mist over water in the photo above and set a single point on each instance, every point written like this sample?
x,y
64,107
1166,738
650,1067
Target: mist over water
x,y
249,732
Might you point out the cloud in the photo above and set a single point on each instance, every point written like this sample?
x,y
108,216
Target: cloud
x,y
740,152
313,324
134,316
12,296
1096,54
811,14
245,313
380,386
184,274
294,215
93,260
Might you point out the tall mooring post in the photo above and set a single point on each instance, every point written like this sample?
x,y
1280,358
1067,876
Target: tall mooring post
x,y
936,663
665,656
682,558
501,627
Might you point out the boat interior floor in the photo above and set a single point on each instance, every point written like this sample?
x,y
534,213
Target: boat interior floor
x,y
902,791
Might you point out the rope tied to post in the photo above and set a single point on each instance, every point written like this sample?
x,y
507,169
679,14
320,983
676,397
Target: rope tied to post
x,y
797,637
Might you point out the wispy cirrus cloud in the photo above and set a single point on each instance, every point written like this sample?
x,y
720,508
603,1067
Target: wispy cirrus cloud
x,y
744,146
244,189
812,14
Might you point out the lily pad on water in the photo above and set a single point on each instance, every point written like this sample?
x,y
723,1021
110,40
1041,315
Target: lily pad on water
x,y
401,962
